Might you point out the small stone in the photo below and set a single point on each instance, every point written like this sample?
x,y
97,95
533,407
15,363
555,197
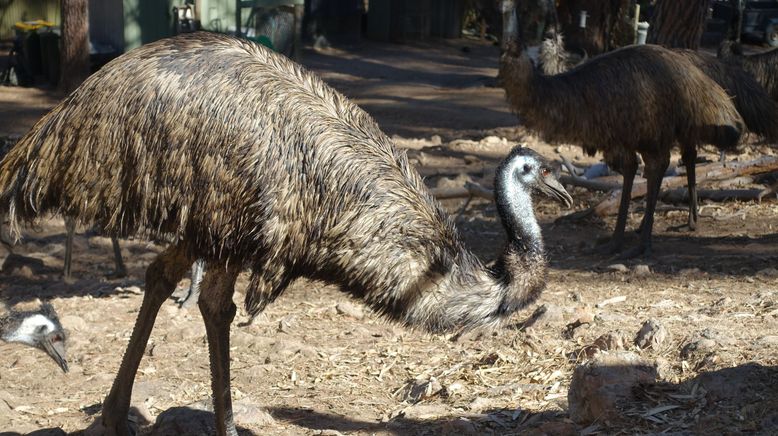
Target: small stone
x,y
424,411
641,270
600,386
651,335
618,267
480,404
423,389
700,346
768,340
610,341
247,412
455,388
350,309
545,315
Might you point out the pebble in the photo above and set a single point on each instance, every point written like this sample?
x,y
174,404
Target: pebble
x,y
618,267
651,334
350,309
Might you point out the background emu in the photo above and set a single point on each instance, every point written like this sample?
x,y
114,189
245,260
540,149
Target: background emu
x,y
763,66
36,328
754,105
278,173
638,99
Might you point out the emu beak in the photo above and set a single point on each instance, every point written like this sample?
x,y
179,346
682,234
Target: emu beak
x,y
55,347
550,186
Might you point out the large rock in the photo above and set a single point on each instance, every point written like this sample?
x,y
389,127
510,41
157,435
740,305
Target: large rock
x,y
600,386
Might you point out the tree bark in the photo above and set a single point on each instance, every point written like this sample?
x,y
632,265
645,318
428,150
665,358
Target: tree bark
x,y
74,47
678,23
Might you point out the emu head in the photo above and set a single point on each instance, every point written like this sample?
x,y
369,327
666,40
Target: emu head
x,y
40,329
532,171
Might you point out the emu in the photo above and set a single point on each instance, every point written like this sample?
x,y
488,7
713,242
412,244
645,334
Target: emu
x,y
637,99
759,112
763,66
39,329
120,270
278,173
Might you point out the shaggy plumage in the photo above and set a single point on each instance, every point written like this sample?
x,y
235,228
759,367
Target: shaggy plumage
x,y
638,99
763,66
754,105
247,160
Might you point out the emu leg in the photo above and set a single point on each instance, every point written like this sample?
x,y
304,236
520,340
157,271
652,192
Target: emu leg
x,y
120,270
655,170
193,294
629,167
218,311
161,278
70,228
689,156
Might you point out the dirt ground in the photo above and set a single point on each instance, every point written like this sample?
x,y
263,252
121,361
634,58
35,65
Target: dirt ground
x,y
318,363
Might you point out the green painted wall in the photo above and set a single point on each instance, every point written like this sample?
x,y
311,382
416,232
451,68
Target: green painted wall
x,y
218,15
146,21
12,11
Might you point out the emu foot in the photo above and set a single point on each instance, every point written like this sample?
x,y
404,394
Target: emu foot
x,y
98,428
189,300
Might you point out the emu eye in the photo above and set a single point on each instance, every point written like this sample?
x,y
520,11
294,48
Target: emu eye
x,y
545,172
56,338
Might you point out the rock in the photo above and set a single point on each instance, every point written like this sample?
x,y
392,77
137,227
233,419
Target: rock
x,y
423,411
480,404
697,347
651,335
545,315
195,419
641,270
601,385
768,340
618,267
350,309
73,322
422,389
460,426
247,412
455,388
610,341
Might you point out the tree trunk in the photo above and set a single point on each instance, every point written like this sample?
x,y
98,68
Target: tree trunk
x,y
608,24
74,48
678,23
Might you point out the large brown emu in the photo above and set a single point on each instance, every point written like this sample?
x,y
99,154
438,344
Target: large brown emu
x,y
276,172
637,99
754,105
38,328
763,66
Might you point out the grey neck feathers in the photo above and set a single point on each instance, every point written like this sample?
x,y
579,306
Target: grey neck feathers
x,y
514,204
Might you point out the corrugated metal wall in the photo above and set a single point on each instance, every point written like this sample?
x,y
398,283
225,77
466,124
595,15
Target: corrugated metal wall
x,y
12,11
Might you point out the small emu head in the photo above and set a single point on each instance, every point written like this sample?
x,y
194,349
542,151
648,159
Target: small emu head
x,y
40,329
534,172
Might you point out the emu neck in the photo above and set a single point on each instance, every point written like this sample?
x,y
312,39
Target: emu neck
x,y
514,204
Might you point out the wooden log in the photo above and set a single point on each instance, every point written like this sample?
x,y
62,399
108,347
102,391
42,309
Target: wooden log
x,y
713,171
469,190
681,195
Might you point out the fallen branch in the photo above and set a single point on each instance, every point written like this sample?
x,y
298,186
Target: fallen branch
x,y
469,190
452,171
680,195
712,171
